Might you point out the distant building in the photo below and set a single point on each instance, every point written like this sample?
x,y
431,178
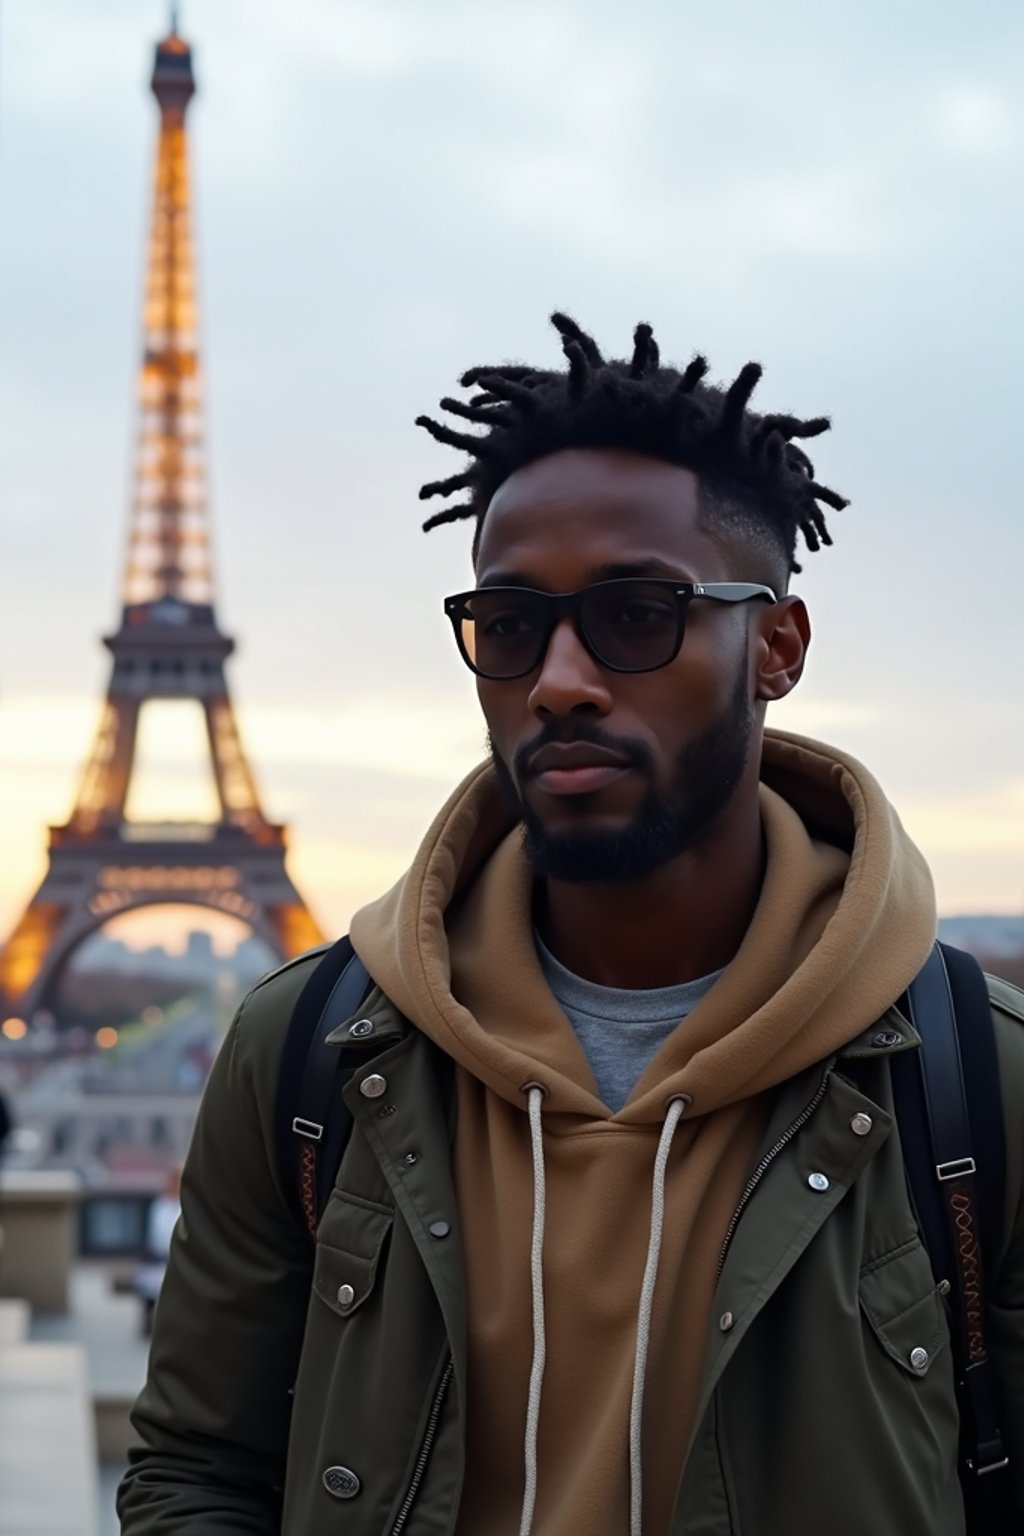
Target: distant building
x,y
993,936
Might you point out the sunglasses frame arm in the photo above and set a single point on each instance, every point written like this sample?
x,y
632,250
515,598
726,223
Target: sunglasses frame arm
x,y
730,591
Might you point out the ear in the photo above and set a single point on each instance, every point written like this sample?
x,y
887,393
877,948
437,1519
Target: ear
x,y
782,635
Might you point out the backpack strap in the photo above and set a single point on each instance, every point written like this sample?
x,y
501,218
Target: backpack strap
x,y
312,1119
949,1110
984,1096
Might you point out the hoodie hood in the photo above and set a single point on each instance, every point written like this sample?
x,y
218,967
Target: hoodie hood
x,y
845,919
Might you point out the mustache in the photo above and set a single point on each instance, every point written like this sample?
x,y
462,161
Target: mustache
x,y
637,752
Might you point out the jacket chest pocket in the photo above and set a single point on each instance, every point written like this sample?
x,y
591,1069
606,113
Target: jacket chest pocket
x,y
351,1242
904,1306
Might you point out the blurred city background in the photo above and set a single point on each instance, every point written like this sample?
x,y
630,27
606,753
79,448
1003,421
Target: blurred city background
x,y
242,246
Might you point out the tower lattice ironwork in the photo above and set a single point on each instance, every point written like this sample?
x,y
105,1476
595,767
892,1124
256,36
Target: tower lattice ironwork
x,y
168,646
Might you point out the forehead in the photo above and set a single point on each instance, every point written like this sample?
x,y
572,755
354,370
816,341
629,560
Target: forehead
x,y
562,519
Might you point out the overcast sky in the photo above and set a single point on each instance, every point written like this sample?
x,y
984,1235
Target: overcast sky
x,y
390,191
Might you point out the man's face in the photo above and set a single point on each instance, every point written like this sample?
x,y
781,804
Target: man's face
x,y
682,736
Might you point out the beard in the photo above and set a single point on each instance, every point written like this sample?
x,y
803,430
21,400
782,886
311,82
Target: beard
x,y
669,821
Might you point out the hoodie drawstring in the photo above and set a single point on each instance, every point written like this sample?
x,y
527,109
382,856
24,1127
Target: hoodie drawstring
x,y
676,1109
535,1098
643,1321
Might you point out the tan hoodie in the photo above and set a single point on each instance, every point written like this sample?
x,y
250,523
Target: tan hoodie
x,y
845,919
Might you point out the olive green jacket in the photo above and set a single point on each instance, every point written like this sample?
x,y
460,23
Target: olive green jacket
x,y
325,1395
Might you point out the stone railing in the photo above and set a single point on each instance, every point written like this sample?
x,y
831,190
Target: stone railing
x,y
48,1481
39,1218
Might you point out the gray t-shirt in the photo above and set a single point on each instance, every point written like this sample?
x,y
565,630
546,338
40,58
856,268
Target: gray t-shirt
x,y
620,1030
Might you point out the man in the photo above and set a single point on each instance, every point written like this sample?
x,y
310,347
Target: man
x,y
160,1223
6,1120
621,1239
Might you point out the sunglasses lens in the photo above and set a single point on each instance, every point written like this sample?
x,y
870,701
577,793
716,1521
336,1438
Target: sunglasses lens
x,y
633,626
503,632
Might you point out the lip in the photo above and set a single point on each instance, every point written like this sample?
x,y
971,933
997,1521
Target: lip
x,y
577,767
562,756
584,780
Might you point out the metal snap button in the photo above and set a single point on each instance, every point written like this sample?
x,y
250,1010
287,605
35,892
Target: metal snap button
x,y
860,1125
410,1159
887,1038
361,1028
439,1229
726,1321
373,1086
818,1181
919,1359
342,1482
346,1295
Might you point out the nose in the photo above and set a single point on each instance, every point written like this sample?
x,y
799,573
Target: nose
x,y
569,679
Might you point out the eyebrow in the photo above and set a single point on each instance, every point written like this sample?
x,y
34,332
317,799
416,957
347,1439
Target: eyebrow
x,y
618,571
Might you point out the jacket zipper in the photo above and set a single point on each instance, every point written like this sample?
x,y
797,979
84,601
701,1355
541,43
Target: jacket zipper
x,y
766,1162
430,1434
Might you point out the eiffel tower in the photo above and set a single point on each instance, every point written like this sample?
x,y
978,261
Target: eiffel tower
x,y
168,646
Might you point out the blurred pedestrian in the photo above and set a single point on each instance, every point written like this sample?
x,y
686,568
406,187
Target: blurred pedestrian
x,y
6,1121
160,1223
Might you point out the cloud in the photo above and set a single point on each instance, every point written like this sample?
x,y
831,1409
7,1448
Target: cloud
x,y
811,715
970,824
976,120
337,877
410,737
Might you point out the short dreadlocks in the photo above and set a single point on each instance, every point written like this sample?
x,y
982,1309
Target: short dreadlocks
x,y
753,478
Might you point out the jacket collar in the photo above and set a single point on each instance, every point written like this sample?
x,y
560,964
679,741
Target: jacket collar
x,y
386,1025
888,1036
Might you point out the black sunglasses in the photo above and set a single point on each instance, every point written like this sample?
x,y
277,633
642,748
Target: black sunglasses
x,y
628,625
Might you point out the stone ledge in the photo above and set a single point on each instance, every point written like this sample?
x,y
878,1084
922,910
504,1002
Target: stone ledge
x,y
39,1210
14,1320
39,1186
48,1478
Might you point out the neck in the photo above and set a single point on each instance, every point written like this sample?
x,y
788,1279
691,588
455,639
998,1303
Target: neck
x,y
685,920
